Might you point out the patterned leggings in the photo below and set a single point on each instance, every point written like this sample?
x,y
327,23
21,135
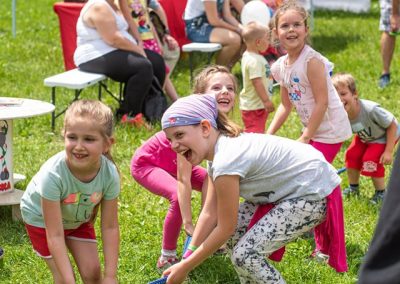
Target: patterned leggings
x,y
288,220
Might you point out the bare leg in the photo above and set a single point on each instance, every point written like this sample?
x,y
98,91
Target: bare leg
x,y
353,176
54,270
170,89
231,46
379,183
388,43
87,259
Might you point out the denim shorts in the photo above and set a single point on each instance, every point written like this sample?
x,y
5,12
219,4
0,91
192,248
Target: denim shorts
x,y
384,21
198,29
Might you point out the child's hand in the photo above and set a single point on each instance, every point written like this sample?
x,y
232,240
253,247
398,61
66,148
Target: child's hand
x,y
176,274
269,106
386,158
304,140
189,228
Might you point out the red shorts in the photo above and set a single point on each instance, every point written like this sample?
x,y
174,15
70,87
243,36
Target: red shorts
x,y
254,120
365,157
84,232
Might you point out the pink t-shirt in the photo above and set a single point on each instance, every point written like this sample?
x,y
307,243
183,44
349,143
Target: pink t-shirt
x,y
335,126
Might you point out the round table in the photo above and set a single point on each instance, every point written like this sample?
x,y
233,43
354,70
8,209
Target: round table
x,y
10,109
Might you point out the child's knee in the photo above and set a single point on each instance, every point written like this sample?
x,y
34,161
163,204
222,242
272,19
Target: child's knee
x,y
91,273
239,257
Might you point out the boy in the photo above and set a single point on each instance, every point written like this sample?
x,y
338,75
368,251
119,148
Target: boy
x,y
377,132
255,103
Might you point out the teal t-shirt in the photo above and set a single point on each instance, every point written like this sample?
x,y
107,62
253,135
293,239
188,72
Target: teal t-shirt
x,y
55,182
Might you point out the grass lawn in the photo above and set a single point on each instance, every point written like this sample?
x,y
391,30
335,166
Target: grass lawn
x,y
351,41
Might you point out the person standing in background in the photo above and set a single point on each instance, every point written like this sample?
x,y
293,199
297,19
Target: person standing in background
x,y
388,38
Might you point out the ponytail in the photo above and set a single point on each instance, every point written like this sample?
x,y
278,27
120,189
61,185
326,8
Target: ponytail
x,y
226,126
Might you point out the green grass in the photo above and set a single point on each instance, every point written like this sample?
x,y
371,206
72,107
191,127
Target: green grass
x,y
350,41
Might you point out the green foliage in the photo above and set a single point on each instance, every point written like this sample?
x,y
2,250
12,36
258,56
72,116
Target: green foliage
x,y
350,41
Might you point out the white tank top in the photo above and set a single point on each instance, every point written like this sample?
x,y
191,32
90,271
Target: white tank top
x,y
89,43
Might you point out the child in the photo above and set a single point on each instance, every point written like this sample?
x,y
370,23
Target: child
x,y
255,103
303,75
60,203
292,176
372,147
138,12
160,170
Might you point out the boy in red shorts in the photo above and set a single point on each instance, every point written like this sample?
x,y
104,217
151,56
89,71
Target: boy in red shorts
x,y
377,132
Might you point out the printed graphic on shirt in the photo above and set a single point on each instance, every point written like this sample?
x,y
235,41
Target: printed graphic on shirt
x,y
82,203
139,14
296,90
365,133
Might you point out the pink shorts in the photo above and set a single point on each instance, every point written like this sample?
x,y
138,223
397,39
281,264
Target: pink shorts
x,y
37,235
254,120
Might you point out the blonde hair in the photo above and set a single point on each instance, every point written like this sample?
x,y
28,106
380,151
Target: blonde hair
x,y
345,79
253,31
202,78
226,126
95,111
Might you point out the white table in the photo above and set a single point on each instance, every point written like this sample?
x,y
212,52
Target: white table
x,y
10,109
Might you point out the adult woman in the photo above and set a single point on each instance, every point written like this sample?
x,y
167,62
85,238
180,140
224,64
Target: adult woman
x,y
107,44
212,21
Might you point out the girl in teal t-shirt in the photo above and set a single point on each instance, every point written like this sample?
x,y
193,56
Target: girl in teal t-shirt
x,y
61,201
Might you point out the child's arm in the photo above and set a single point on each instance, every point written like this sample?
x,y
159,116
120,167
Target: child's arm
x,y
222,202
133,29
110,238
317,76
282,112
262,93
55,239
391,136
185,193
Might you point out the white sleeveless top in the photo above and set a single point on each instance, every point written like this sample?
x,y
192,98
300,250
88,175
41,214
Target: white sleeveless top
x,y
335,126
90,45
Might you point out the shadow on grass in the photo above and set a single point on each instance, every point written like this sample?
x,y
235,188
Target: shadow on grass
x,y
373,14
333,43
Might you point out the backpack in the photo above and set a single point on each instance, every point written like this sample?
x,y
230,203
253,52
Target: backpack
x,y
155,103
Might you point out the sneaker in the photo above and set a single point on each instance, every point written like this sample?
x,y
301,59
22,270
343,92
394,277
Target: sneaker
x,y
350,191
384,80
321,257
164,263
378,197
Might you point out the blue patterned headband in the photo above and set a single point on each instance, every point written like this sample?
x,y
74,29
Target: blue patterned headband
x,y
191,110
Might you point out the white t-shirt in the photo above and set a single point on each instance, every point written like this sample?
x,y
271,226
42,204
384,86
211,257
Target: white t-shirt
x,y
335,126
194,8
273,168
90,44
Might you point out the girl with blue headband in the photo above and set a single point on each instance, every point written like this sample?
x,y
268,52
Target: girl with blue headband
x,y
262,169
160,170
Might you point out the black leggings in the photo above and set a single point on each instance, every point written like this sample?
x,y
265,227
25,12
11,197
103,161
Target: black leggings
x,y
132,69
